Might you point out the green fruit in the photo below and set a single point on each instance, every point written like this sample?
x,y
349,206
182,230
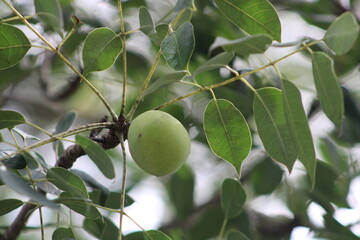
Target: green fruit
x,y
158,142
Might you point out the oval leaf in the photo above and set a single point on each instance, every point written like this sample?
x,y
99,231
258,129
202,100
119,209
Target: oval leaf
x,y
178,47
67,181
219,61
165,80
16,183
328,87
65,122
155,235
80,206
255,16
227,132
51,14
342,33
13,45
233,197
244,46
101,48
146,22
9,119
98,155
62,233
272,127
8,205
299,127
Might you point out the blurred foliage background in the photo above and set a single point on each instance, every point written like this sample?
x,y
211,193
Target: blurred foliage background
x,y
186,205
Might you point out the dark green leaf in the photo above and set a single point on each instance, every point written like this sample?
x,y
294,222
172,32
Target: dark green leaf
x,y
39,176
65,122
67,181
98,155
272,127
94,227
113,200
337,230
101,48
81,206
110,231
328,87
161,32
219,61
227,132
9,119
181,4
50,13
155,235
236,235
299,127
13,45
245,46
103,229
62,233
255,16
181,191
146,22
233,197
8,205
16,162
342,33
265,176
178,47
16,183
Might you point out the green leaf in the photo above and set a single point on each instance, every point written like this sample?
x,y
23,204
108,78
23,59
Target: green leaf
x,y
245,46
9,119
219,61
146,22
265,176
328,87
183,18
155,235
113,202
101,48
342,33
181,191
336,230
101,228
24,135
8,205
13,45
16,183
67,181
51,14
98,155
272,127
81,206
299,127
165,80
62,233
65,122
255,16
236,235
16,162
227,132
178,47
233,197
161,31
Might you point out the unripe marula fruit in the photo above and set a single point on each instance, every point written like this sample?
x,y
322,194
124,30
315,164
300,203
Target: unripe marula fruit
x,y
158,142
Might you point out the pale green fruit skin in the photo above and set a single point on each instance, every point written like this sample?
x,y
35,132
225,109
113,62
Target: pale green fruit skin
x,y
158,142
